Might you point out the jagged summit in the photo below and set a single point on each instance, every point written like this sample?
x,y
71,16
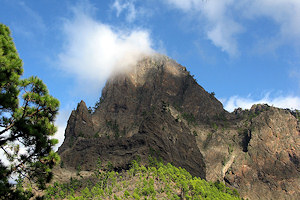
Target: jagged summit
x,y
154,80
142,107
139,73
157,108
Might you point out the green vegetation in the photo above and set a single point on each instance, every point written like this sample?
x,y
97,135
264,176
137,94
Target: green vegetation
x,y
59,191
96,135
226,159
221,117
296,114
97,104
155,181
61,164
221,121
27,114
252,115
178,107
260,108
195,133
190,118
214,126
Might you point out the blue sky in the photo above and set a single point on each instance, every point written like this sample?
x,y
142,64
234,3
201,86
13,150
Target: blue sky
x,y
246,51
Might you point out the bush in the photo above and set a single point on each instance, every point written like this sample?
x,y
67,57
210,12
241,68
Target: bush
x,y
190,118
141,182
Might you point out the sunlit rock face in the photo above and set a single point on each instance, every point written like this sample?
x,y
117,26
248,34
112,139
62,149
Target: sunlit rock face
x,y
157,108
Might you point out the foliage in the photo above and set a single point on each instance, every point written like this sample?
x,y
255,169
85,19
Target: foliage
x,y
296,114
27,113
195,133
190,118
214,126
97,104
155,181
61,191
96,135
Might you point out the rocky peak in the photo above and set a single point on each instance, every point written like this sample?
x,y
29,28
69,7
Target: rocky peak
x,y
154,80
156,108
81,107
149,68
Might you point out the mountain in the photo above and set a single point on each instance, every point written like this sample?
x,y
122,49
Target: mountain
x,y
157,108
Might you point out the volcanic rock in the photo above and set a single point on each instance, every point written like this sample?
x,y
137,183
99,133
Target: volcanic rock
x,y
156,108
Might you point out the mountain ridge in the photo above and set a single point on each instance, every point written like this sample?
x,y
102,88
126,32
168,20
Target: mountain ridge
x,y
157,108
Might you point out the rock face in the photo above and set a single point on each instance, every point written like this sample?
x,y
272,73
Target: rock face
x,y
156,108
269,168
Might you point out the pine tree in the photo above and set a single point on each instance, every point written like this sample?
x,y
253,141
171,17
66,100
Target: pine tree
x,y
27,114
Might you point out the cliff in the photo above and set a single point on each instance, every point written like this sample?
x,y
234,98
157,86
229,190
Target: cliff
x,y
157,108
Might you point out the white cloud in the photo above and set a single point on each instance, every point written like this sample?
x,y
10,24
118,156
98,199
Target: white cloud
x,y
285,13
225,20
186,5
93,50
220,27
61,124
122,5
225,39
291,102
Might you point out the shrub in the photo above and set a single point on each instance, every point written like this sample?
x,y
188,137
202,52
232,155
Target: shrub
x,y
190,118
148,182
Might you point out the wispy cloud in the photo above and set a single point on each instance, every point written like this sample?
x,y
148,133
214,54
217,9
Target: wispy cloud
x,y
219,27
291,102
31,22
186,5
226,20
125,6
93,50
36,19
285,13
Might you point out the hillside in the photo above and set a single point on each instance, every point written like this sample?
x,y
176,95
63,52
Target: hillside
x,y
154,181
157,108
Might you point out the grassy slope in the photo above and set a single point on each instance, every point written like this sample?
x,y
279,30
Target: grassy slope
x,y
157,181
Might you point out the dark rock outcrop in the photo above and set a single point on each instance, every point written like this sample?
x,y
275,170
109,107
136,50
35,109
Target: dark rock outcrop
x,y
133,119
174,144
157,108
